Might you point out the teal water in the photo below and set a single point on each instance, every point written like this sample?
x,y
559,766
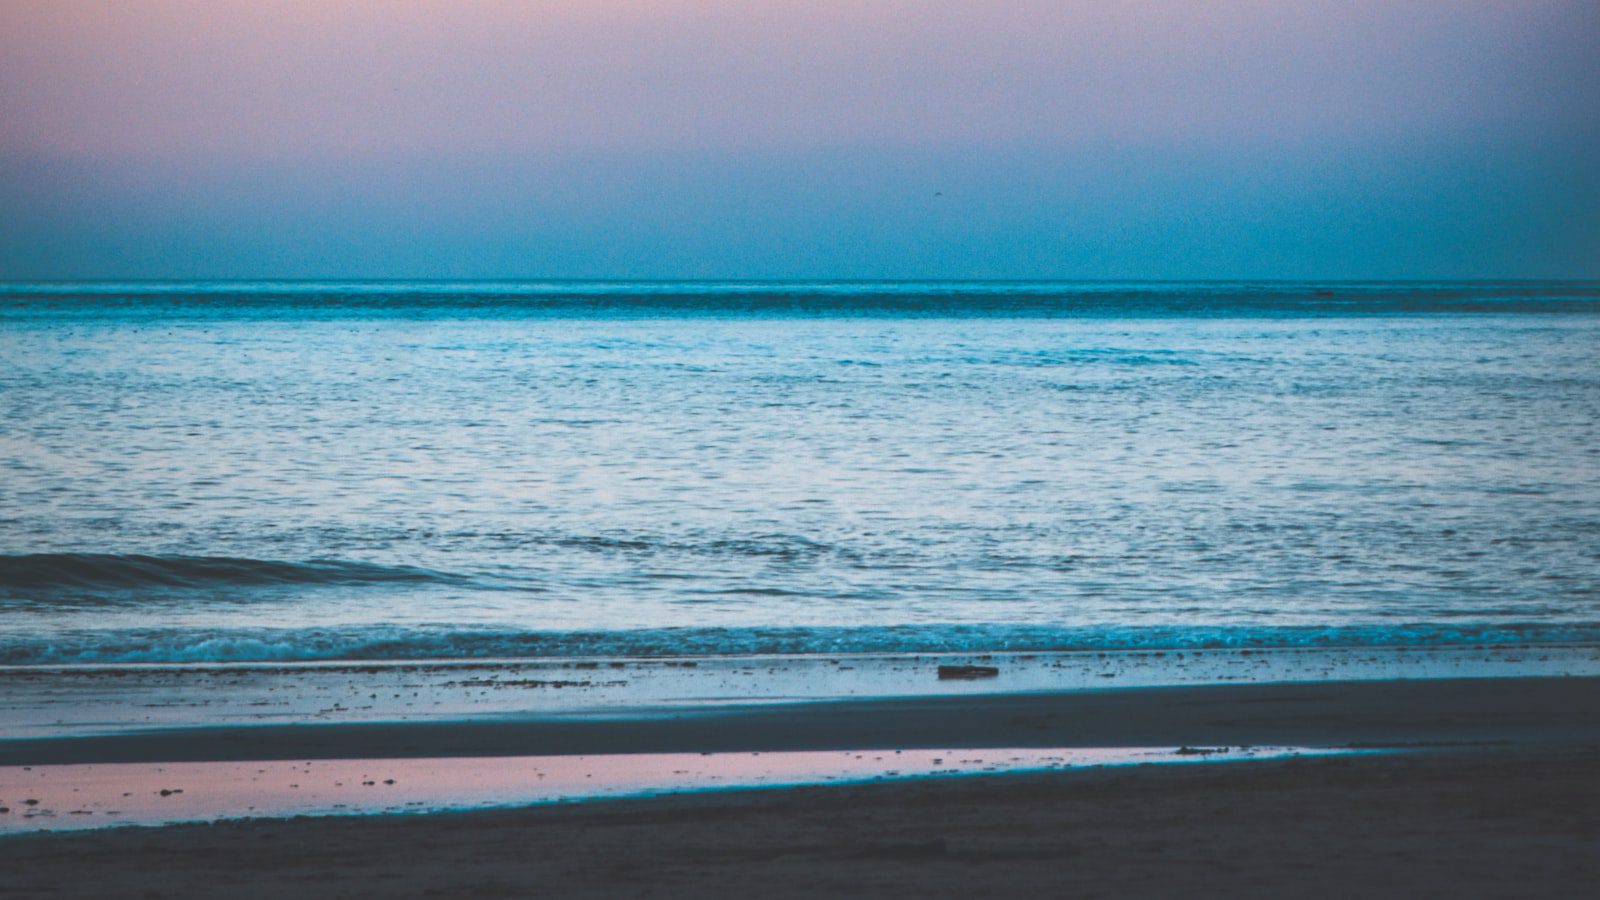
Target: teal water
x,y
369,470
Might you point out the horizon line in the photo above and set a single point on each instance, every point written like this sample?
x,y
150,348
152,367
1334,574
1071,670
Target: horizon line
x,y
531,280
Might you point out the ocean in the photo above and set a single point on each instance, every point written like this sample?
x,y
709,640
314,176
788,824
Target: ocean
x,y
300,471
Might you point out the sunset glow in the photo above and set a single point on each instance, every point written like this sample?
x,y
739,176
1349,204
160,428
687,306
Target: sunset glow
x,y
573,139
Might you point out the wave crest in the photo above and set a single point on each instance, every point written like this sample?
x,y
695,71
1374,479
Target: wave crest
x,y
114,571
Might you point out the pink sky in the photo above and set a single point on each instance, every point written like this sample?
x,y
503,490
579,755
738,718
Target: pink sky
x,y
156,78
800,138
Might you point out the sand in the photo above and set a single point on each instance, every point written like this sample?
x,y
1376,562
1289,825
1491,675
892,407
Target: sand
x,y
43,701
1492,788
1365,713
1484,824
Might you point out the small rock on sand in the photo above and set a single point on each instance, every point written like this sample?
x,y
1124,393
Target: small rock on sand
x,y
967,673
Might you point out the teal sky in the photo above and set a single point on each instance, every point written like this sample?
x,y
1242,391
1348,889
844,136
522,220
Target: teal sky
x,y
1080,140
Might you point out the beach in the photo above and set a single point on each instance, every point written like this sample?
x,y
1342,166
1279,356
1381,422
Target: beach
x,y
1460,787
1492,824
1379,714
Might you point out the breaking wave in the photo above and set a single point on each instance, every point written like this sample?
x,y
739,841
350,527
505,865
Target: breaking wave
x,y
423,644
112,571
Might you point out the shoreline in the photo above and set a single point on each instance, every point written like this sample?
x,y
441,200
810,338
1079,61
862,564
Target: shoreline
x,y
96,701
365,664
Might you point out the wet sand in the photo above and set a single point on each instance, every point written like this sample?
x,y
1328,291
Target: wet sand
x,y
79,797
1309,714
1522,823
43,701
1493,789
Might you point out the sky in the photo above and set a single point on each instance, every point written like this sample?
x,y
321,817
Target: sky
x,y
1145,139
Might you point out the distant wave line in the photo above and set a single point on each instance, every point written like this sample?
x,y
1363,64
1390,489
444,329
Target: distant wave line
x,y
930,298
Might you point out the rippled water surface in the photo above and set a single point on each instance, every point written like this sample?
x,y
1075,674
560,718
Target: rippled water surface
x,y
281,472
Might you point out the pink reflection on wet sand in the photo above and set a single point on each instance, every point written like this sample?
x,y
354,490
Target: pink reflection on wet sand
x,y
38,798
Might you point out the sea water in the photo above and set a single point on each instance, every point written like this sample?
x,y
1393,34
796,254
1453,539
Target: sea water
x,y
311,471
